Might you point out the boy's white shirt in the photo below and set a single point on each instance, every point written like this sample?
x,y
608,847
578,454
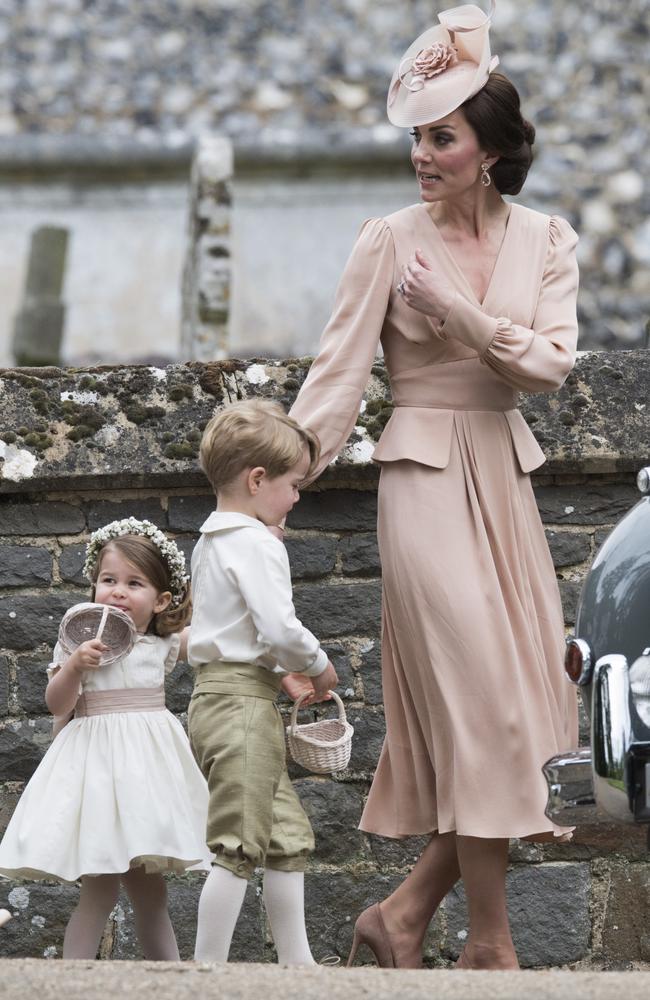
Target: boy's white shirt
x,y
242,600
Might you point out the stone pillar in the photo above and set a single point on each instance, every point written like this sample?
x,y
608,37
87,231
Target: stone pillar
x,y
207,272
38,327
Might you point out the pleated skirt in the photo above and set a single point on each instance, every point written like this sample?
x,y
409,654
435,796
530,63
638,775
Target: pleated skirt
x,y
113,792
475,694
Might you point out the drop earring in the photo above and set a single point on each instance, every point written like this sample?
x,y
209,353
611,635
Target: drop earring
x,y
486,180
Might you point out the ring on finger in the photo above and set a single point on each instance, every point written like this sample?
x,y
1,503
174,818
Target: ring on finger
x,y
400,287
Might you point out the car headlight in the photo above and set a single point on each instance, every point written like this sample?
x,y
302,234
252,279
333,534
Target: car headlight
x,y
578,661
643,480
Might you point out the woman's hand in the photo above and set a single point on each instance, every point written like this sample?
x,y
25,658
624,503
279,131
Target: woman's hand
x,y
324,683
276,530
295,685
425,291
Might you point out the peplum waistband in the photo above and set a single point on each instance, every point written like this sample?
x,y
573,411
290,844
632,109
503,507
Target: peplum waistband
x,y
454,385
120,700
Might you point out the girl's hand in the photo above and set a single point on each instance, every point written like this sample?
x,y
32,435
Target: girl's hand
x,y
425,291
87,656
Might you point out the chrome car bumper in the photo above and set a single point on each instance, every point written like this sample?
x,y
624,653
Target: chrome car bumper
x,y
612,778
570,788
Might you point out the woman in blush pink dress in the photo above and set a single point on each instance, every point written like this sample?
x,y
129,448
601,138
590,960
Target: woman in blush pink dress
x,y
473,299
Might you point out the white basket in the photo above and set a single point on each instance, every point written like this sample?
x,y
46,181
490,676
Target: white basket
x,y
322,746
98,621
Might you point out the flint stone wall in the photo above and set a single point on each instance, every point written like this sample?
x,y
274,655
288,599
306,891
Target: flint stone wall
x,y
108,88
81,447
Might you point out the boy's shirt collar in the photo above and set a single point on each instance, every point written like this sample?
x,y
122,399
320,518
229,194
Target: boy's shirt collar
x,y
218,521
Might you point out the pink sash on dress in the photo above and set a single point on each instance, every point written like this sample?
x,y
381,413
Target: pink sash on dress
x,y
120,700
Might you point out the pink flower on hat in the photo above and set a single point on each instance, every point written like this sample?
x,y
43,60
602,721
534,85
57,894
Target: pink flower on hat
x,y
433,60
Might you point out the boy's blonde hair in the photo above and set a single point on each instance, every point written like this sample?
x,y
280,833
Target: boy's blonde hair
x,y
254,432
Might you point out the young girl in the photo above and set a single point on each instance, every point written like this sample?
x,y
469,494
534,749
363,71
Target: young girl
x,y
118,797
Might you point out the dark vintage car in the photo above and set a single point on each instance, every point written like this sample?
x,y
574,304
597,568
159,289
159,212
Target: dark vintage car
x,y
608,657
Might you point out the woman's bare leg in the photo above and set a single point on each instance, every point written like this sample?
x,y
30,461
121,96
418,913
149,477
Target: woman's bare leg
x,y
98,896
148,894
408,911
483,866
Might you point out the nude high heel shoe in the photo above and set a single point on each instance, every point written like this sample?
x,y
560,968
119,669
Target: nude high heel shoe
x,y
370,930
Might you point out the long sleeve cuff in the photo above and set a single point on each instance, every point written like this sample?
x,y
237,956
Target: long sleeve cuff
x,y
468,324
318,666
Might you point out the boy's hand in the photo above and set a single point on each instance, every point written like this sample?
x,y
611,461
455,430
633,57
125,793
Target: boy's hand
x,y
87,656
324,682
296,685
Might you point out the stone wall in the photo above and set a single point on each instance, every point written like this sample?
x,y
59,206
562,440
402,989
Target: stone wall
x,y
206,275
82,447
103,86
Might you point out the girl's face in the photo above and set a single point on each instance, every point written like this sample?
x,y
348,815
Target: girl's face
x,y
120,584
447,157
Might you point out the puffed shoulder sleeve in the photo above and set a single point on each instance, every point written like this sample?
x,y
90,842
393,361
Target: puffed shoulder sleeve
x,y
537,359
329,400
58,659
173,649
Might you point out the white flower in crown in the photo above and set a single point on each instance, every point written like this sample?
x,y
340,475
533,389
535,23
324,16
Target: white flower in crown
x,y
132,526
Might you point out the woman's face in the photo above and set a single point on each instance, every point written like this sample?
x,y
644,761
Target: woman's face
x,y
447,157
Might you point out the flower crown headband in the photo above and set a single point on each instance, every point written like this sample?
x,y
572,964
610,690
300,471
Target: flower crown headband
x,y
131,526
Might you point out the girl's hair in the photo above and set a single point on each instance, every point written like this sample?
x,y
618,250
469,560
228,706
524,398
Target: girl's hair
x,y
495,115
254,432
147,557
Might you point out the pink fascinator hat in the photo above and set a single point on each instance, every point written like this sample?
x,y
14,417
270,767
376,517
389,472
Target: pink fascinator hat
x,y
443,68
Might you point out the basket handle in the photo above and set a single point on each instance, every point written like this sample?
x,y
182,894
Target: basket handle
x,y
298,702
100,630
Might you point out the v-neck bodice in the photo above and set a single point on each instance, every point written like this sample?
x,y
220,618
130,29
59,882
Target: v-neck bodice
x,y
521,337
410,338
494,274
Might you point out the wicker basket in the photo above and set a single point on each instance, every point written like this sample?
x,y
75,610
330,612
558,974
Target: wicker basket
x,y
321,746
97,621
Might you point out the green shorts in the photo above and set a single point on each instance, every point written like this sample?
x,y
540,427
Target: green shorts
x,y
237,736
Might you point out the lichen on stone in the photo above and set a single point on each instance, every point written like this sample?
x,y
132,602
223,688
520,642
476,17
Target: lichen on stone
x,y
17,463
138,413
180,390
38,440
181,449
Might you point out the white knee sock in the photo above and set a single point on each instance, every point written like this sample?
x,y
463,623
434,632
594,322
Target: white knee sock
x,y
219,906
284,899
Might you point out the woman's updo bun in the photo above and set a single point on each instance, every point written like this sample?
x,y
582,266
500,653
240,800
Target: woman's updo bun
x,y
495,115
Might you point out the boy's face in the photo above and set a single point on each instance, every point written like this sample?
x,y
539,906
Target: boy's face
x,y
276,496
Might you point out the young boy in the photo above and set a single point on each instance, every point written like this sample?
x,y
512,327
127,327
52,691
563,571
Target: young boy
x,y
246,643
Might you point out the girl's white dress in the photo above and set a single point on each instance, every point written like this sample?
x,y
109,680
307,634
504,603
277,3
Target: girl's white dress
x,y
113,791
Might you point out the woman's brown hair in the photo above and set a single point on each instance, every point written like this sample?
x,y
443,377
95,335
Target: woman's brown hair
x,y
495,115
